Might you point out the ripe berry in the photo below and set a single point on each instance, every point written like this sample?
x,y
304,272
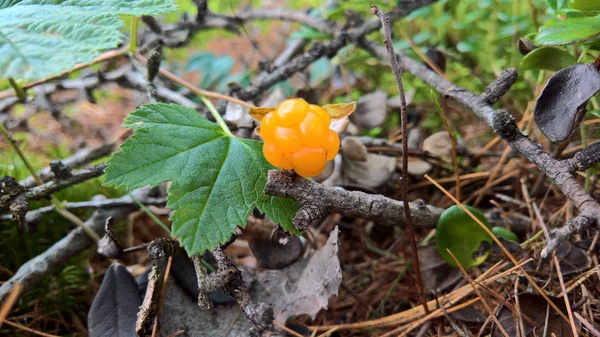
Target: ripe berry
x,y
297,136
291,111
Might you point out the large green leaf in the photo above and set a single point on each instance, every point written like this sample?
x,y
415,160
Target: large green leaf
x,y
40,38
585,5
216,178
458,232
547,58
569,31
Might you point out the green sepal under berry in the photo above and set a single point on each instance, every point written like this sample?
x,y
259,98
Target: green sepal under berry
x,y
216,179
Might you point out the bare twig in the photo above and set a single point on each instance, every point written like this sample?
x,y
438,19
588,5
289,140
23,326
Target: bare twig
x,y
387,33
35,270
317,200
79,158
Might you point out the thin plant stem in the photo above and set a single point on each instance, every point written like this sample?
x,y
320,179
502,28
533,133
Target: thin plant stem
x,y
55,201
452,141
394,285
216,115
385,22
133,34
18,90
150,214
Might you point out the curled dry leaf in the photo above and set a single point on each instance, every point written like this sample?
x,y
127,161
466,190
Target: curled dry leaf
x,y
353,149
534,307
302,288
335,111
372,173
571,259
371,109
561,105
305,286
437,275
439,145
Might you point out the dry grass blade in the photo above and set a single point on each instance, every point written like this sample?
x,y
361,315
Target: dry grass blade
x,y
485,305
417,314
564,292
328,333
10,301
177,333
587,324
193,88
504,250
24,328
286,329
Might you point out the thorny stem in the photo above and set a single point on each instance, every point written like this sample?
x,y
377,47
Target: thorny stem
x,y
385,22
55,201
18,90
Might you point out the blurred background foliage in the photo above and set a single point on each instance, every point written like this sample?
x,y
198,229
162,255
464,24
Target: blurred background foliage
x,y
478,39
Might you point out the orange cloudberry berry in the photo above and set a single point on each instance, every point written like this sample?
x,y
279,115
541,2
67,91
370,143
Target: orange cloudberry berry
x,y
297,136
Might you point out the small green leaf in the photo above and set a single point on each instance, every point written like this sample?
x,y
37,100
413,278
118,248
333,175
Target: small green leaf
x,y
40,38
460,234
585,5
569,31
595,113
547,58
505,234
216,179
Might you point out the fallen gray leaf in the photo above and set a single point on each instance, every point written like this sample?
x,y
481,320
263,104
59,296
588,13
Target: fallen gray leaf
x,y
371,110
234,112
274,98
353,149
372,173
439,145
437,275
416,166
302,288
181,312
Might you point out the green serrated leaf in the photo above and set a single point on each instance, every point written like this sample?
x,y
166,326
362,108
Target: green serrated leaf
x,y
216,179
40,38
569,31
547,58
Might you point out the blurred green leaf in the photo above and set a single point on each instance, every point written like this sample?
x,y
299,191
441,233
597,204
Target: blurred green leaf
x,y
569,31
40,38
585,5
460,234
321,70
547,58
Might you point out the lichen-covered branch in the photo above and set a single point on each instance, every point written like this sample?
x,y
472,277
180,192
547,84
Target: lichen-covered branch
x,y
317,200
